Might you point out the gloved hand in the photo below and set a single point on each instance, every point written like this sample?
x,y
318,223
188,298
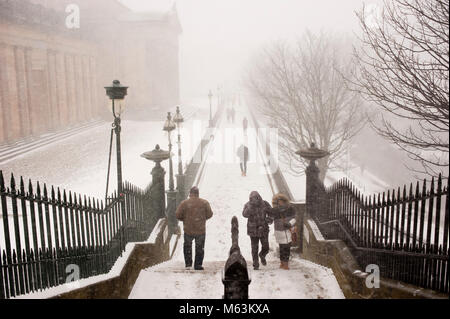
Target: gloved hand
x,y
287,225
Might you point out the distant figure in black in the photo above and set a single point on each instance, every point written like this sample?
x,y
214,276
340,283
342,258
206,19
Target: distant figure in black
x,y
257,211
233,114
245,125
243,155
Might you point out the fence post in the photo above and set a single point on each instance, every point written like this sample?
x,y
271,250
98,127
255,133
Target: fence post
x,y
313,189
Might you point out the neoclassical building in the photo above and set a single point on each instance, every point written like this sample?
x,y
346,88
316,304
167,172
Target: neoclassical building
x,y
52,76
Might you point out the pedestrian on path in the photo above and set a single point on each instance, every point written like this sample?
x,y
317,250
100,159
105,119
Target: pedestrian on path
x,y
283,215
194,212
243,155
233,114
257,211
245,125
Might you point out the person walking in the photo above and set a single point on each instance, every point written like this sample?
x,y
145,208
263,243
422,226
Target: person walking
x,y
245,125
194,212
257,211
233,114
283,216
243,155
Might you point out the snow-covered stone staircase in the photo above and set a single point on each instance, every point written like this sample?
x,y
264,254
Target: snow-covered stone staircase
x,y
227,191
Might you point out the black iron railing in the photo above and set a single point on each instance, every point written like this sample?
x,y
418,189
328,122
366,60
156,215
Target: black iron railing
x,y
405,233
47,234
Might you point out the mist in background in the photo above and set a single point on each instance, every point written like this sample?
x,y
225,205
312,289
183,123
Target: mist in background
x,y
220,36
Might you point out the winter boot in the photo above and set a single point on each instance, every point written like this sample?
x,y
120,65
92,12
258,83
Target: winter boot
x,y
263,260
284,265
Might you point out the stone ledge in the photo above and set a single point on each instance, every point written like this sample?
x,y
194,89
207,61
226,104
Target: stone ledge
x,y
142,256
335,254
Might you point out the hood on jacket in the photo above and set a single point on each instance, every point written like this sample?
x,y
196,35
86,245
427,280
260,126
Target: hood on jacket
x,y
280,200
255,199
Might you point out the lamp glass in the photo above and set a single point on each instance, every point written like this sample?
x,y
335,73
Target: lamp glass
x,y
119,107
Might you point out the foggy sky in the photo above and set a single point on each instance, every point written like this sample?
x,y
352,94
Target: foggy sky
x,y
219,36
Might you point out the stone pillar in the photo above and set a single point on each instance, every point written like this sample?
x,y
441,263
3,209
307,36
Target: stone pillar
x,y
38,87
61,85
71,89
79,107
93,87
312,194
314,187
53,89
171,210
2,117
87,88
158,190
10,101
23,89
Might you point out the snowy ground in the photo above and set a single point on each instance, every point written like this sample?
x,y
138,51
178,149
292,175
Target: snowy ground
x,y
79,163
227,191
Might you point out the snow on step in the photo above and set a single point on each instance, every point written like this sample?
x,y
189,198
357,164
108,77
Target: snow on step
x,y
227,191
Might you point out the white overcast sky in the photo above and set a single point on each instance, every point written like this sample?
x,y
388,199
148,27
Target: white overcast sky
x,y
219,36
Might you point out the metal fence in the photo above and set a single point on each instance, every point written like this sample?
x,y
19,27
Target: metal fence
x,y
47,234
405,231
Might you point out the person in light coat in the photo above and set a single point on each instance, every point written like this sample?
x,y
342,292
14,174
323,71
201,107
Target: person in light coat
x,y
283,216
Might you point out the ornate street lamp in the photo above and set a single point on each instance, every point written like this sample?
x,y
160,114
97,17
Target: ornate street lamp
x,y
170,126
179,120
210,95
116,93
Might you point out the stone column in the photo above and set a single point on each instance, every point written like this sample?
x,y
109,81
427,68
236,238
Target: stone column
x,y
314,187
61,86
12,122
71,89
22,89
2,116
79,107
53,88
87,88
158,190
94,96
38,87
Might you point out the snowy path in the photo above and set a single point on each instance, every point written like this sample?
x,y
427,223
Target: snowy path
x,y
227,191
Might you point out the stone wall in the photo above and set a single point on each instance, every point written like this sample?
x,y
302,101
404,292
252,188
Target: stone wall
x,y
143,255
52,77
335,254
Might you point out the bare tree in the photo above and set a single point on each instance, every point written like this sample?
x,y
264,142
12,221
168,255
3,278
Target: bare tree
x,y
300,90
403,66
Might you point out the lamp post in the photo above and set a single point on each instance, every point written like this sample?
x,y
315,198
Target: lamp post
x,y
179,120
210,95
117,93
170,126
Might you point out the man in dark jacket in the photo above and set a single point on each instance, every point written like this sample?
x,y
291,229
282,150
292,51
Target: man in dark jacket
x,y
257,211
194,212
